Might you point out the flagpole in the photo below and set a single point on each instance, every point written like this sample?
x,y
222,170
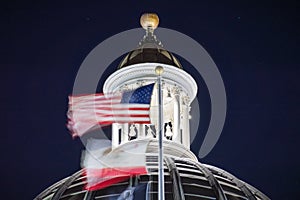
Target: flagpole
x,y
161,190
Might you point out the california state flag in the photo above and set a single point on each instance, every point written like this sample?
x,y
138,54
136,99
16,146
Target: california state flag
x,y
104,167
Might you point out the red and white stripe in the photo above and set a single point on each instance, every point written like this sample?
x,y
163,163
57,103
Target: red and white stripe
x,y
103,167
90,111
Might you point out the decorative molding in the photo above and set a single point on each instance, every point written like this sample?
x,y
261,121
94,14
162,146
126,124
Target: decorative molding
x,y
145,72
176,90
186,100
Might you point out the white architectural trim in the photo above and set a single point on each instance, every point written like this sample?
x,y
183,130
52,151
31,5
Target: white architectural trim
x,y
145,71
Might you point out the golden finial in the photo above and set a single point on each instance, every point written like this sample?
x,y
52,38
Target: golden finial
x,y
159,70
149,20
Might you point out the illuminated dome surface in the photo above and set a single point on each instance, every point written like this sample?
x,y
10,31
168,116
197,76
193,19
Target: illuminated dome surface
x,y
185,178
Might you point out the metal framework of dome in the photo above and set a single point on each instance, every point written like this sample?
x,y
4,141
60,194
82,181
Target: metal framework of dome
x,y
184,177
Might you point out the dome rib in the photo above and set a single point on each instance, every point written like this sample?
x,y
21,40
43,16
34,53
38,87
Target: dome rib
x,y
178,193
60,191
50,190
212,181
242,186
89,195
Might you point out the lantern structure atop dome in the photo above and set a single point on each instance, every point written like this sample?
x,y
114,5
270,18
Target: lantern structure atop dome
x,y
179,89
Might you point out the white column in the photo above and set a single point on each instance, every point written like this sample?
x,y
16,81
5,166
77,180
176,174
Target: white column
x,y
125,133
115,135
186,123
176,117
141,131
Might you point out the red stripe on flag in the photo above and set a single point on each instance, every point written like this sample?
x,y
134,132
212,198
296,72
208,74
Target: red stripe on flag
x,y
129,121
120,108
124,115
106,177
106,183
92,95
116,108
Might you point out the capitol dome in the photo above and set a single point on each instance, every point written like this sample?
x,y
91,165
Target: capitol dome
x,y
185,178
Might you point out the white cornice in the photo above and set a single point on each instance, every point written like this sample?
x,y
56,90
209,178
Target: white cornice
x,y
145,71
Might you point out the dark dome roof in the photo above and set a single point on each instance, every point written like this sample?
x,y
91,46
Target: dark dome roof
x,y
150,49
185,179
152,54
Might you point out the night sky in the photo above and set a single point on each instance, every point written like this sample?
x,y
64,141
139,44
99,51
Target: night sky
x,y
255,46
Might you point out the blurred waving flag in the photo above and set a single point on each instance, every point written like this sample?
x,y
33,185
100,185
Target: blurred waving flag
x,y
104,167
87,112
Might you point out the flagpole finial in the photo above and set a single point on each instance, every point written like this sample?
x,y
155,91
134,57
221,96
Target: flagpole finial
x,y
149,20
159,70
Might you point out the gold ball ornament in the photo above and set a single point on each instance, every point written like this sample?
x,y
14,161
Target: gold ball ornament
x,y
159,70
149,20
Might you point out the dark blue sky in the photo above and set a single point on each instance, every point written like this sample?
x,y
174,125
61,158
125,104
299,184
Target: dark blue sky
x,y
255,46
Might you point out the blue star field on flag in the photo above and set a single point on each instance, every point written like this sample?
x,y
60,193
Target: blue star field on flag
x,y
141,95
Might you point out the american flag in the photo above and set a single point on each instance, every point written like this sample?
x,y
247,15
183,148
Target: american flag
x,y
87,112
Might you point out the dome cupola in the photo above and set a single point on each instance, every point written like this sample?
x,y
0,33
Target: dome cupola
x,y
150,49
